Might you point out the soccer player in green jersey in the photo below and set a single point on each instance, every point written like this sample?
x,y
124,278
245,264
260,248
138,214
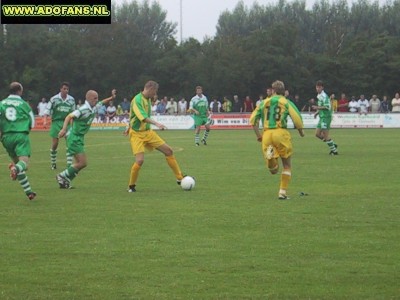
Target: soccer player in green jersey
x,y
81,120
59,107
202,116
142,137
324,109
276,139
16,121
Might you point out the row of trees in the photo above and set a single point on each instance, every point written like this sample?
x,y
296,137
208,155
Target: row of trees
x,y
354,49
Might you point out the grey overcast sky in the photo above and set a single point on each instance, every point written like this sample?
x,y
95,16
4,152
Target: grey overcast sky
x,y
200,17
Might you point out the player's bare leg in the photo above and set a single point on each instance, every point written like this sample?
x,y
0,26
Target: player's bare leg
x,y
319,134
272,162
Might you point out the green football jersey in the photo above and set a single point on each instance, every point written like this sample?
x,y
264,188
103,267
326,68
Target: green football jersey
x,y
59,108
15,115
199,103
83,118
323,100
140,110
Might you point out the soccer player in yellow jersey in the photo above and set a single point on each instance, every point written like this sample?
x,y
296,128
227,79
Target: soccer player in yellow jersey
x,y
142,137
276,139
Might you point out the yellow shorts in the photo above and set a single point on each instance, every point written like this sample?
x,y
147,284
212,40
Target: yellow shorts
x,y
280,139
141,140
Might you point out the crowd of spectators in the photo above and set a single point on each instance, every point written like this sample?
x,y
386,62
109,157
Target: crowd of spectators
x,y
169,106
354,105
359,105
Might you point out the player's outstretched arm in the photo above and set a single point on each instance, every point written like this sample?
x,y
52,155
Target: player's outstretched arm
x,y
128,127
151,121
47,111
192,111
63,130
32,123
317,107
255,123
126,131
45,116
257,132
112,97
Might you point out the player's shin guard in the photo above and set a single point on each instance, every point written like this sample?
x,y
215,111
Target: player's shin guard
x,y
24,182
331,144
206,133
21,166
134,174
69,173
70,159
285,179
53,156
173,164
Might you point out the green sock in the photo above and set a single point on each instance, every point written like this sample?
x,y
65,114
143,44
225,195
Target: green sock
x,y
21,166
53,156
69,173
24,182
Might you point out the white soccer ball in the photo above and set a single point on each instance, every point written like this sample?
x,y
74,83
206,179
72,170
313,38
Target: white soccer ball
x,y
187,183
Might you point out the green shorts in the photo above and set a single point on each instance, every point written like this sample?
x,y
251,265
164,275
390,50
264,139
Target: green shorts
x,y
76,144
324,123
17,144
56,127
198,121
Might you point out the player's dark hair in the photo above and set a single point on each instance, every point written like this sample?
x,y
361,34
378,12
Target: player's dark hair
x,y
319,83
66,83
15,87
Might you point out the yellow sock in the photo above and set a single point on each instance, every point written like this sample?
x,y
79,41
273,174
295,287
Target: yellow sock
x,y
173,164
134,174
285,179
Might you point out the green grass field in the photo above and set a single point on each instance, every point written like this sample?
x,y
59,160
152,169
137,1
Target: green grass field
x,y
229,238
